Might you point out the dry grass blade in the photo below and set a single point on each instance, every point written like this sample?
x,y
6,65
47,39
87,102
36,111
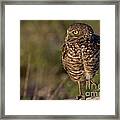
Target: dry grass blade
x,y
27,77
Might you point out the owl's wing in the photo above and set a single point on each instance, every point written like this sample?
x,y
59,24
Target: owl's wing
x,y
93,56
95,39
96,55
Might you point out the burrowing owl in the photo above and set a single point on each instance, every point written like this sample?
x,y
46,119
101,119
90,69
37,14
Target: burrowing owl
x,y
81,53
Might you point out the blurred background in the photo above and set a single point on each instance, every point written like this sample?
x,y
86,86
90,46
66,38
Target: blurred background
x,y
42,76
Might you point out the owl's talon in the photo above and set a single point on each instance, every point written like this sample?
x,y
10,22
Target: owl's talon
x,y
80,97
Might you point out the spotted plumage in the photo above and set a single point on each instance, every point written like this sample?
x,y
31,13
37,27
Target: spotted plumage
x,y
81,52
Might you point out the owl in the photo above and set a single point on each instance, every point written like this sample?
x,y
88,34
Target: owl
x,y
81,54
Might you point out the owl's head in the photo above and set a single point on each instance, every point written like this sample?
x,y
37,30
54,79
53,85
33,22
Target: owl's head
x,y
79,30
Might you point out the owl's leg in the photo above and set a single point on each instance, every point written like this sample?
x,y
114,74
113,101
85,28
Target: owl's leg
x,y
89,84
80,90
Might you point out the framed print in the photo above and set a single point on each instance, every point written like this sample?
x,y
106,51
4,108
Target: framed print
x,y
59,59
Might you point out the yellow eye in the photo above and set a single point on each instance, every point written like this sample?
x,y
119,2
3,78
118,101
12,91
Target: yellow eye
x,y
75,32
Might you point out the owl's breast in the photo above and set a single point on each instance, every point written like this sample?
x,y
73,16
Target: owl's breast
x,y
73,61
74,52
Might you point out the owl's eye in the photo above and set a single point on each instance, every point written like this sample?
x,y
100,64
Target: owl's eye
x,y
75,32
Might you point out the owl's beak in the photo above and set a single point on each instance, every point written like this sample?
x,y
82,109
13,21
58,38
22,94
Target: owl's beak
x,y
67,37
69,33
